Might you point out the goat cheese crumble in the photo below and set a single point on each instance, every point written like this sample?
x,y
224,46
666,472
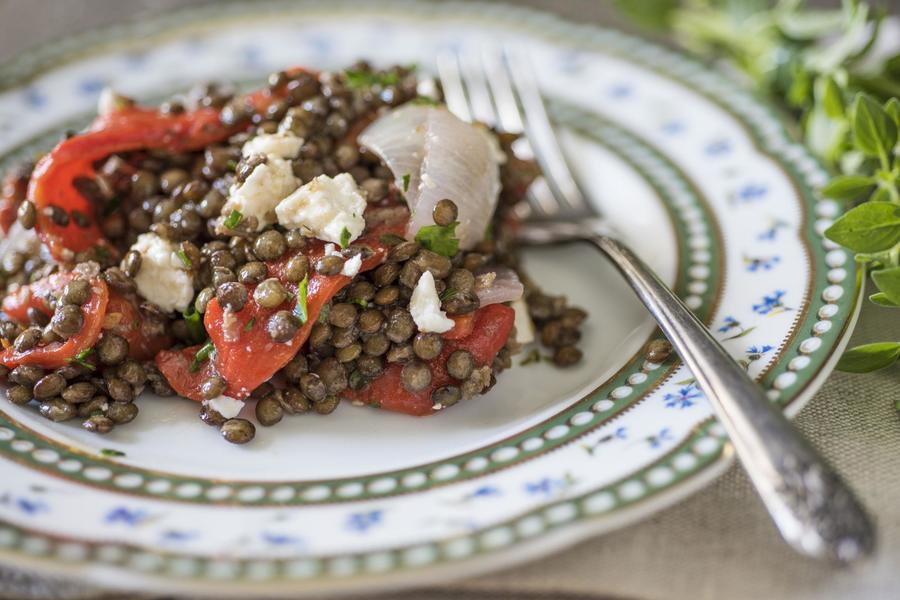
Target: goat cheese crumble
x,y
425,307
225,406
325,207
264,188
282,145
163,278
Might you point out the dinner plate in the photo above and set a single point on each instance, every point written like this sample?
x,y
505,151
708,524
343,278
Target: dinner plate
x,y
701,178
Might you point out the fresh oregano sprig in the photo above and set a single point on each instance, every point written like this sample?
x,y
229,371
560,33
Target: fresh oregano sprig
x,y
820,66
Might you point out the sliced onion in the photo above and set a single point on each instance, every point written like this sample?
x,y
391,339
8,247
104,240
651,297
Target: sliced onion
x,y
497,284
435,155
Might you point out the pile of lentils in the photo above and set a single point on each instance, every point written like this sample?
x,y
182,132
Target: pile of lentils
x,y
99,387
179,196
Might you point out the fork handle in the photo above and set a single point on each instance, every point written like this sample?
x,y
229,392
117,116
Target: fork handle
x,y
815,511
812,507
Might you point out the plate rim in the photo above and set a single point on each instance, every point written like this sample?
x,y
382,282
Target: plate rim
x,y
589,526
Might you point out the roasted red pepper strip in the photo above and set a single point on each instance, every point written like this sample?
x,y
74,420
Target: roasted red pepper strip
x,y
492,326
34,295
463,327
58,354
145,337
120,131
175,365
245,354
241,338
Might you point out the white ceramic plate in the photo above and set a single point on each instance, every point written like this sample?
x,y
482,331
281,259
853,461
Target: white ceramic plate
x,y
700,178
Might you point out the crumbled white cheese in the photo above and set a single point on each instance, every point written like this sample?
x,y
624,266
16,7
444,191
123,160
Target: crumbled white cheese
x,y
111,101
425,307
523,324
225,406
325,207
264,188
282,145
331,250
163,278
352,265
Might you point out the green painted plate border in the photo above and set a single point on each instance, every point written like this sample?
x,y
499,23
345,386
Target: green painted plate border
x,y
519,535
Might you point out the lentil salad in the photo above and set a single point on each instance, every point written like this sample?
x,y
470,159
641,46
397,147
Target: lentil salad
x,y
167,248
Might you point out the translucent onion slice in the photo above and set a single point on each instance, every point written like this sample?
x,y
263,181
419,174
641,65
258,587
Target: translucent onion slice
x,y
434,155
497,284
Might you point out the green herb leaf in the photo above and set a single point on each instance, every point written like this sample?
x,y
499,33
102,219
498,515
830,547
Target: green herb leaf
x,y
405,183
892,108
250,324
202,356
183,257
832,98
357,79
111,452
881,299
194,320
869,227
81,359
447,294
345,237
848,187
888,281
439,238
874,131
233,219
300,308
869,357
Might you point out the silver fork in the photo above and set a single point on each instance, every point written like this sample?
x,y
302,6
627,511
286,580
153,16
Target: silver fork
x,y
812,507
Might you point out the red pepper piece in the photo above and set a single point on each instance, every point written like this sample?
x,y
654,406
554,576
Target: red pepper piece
x,y
145,337
491,328
241,338
58,354
463,327
120,131
175,365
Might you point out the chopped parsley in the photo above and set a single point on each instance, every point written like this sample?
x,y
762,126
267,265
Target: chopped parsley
x,y
250,324
345,237
184,258
440,239
202,356
360,302
300,309
81,359
357,79
111,452
231,165
233,219
447,294
405,183
194,320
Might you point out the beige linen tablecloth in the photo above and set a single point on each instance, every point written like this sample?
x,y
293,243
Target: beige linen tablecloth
x,y
718,544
